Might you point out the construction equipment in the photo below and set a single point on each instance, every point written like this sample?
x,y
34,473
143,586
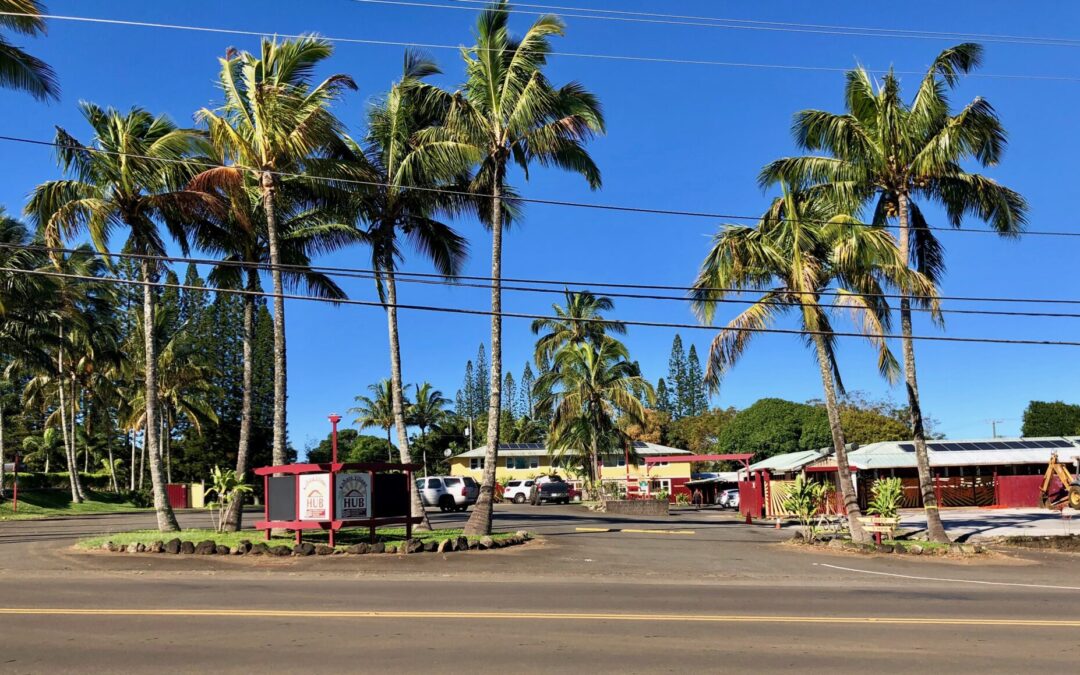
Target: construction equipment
x,y
1068,495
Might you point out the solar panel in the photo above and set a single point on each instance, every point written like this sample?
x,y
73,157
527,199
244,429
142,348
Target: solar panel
x,y
1013,445
1061,443
967,446
907,447
986,446
1031,445
639,444
949,447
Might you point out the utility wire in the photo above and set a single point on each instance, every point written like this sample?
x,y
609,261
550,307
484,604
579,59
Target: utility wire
x,y
471,282
733,24
523,200
519,315
459,47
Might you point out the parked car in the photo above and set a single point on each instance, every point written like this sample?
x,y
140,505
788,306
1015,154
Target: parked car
x,y
555,491
518,491
449,493
728,499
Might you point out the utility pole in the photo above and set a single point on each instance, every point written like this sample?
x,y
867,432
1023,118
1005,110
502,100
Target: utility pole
x,y
993,427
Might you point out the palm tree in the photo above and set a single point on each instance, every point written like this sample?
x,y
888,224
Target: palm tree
x,y
19,70
400,164
377,411
591,385
128,176
236,230
802,249
428,410
274,122
580,321
507,112
891,153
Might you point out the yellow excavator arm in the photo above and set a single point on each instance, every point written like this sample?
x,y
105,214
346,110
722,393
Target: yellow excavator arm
x,y
1070,495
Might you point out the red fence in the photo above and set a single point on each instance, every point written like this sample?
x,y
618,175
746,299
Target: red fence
x,y
752,497
178,495
1017,490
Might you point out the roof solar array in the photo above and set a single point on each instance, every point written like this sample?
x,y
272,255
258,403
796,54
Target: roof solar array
x,y
522,446
968,446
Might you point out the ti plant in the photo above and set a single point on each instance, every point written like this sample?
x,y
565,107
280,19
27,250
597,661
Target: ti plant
x,y
886,497
804,501
226,488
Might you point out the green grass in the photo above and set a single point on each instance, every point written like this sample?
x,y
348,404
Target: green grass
x,y
906,543
343,539
57,503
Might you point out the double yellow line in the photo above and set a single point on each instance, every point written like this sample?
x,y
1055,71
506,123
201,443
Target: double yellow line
x,y
541,616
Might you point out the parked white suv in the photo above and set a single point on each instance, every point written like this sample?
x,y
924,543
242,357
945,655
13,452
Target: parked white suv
x,y
449,493
518,491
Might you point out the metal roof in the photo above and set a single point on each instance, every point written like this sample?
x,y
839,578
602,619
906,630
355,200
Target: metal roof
x,y
539,449
981,452
789,461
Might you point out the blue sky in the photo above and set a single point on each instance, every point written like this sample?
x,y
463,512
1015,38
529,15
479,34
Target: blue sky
x,y
679,137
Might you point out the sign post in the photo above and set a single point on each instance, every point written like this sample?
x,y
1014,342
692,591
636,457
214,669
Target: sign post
x,y
334,419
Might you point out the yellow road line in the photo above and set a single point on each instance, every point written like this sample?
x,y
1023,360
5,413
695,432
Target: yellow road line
x,y
556,616
626,529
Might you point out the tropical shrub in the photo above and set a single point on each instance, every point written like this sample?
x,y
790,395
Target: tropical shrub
x,y
804,500
886,497
227,488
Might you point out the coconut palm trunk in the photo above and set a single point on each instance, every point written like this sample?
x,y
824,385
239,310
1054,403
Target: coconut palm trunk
x,y
843,469
234,518
480,520
166,519
268,190
2,494
76,480
69,454
396,395
935,529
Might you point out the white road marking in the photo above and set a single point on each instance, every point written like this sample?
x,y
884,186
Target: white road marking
x,y
951,581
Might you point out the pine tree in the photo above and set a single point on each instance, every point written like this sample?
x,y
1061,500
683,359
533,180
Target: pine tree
x,y
467,408
192,303
677,380
169,306
482,386
509,395
528,381
695,381
663,397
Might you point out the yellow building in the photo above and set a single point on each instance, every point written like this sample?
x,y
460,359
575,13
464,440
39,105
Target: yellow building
x,y
520,461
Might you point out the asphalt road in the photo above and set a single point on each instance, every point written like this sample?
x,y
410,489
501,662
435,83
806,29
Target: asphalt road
x,y
695,592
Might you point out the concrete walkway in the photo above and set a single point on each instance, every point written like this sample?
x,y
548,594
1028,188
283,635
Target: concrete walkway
x,y
975,524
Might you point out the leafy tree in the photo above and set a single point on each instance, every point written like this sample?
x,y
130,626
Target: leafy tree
x,y
652,429
798,250
773,426
276,122
508,111
19,70
352,447
700,434
129,176
893,154
1044,418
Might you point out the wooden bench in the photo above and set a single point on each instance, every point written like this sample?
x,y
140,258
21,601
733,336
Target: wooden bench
x,y
879,526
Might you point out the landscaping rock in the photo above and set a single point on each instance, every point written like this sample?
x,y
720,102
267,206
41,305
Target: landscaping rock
x,y
358,549
222,549
138,547
304,549
259,549
798,536
884,548
390,548
377,548
431,546
239,550
461,543
173,546
414,546
525,536
187,547
444,546
205,547
156,547
323,549
244,546
279,551
956,549
474,544
486,543
836,543
109,546
915,549
969,549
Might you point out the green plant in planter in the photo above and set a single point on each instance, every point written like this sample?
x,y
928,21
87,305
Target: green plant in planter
x,y
886,497
226,487
804,500
682,498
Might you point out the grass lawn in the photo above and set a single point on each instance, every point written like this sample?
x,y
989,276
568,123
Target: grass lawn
x,y
56,503
343,539
906,543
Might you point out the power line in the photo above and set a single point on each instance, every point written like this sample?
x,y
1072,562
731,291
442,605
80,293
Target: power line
x,y
533,317
459,47
739,24
524,200
462,281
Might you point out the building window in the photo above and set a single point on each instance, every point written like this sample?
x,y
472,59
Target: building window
x,y
476,463
534,463
509,462
520,463
622,461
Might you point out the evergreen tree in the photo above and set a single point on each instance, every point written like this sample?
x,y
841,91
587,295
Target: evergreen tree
x,y
192,303
677,380
482,385
528,381
697,397
509,394
663,397
467,407
169,306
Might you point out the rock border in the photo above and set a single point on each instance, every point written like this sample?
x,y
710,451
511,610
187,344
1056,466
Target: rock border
x,y
955,550
246,548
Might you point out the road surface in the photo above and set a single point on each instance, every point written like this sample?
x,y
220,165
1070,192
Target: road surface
x,y
699,591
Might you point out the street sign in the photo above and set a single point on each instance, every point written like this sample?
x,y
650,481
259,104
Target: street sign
x,y
353,496
314,497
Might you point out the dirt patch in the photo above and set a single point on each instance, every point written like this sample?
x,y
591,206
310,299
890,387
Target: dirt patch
x,y
1065,543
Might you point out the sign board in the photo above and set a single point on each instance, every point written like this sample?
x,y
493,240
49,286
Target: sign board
x,y
353,496
314,497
